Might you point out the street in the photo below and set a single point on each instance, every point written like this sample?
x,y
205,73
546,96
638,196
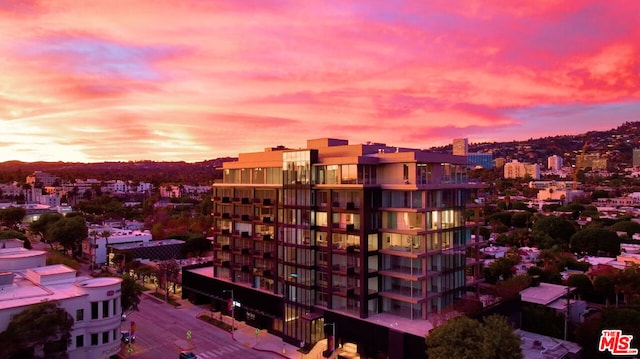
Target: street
x,y
161,332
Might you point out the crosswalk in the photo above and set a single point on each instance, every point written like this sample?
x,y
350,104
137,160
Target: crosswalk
x,y
222,352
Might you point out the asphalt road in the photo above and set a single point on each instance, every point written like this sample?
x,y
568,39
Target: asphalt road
x,y
161,332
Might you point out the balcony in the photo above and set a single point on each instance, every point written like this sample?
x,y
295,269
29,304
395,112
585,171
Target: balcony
x,y
226,200
261,254
246,269
341,248
267,202
226,215
245,218
265,237
241,250
342,269
245,200
351,206
245,234
343,291
266,219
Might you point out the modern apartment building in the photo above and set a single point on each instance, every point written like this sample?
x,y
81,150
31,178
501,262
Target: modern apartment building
x,y
554,162
474,159
515,169
340,238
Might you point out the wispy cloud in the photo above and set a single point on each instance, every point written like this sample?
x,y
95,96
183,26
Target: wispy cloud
x,y
192,80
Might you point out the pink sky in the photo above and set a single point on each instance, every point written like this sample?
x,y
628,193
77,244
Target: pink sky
x,y
192,80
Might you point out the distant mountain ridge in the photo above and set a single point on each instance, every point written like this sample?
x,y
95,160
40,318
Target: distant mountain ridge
x,y
615,144
148,171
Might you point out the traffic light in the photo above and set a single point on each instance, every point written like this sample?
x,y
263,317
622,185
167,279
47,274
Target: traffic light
x,y
229,304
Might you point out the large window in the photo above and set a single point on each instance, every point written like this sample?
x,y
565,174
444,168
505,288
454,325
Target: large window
x,y
79,315
349,174
79,341
94,338
105,309
94,310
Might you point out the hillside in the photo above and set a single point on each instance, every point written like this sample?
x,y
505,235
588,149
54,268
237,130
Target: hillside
x,y
615,144
148,171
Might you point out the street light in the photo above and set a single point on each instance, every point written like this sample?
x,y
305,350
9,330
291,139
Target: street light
x,y
331,342
233,304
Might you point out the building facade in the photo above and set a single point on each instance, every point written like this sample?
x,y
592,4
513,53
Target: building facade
x,y
94,303
515,169
554,162
339,233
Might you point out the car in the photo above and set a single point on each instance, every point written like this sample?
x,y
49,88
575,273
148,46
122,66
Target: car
x,y
126,337
187,355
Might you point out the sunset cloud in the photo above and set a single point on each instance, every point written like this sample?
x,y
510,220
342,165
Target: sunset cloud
x,y
193,80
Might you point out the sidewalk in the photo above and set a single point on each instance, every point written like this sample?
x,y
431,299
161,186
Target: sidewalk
x,y
263,341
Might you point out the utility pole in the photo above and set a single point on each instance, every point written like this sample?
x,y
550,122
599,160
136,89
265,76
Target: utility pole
x,y
567,314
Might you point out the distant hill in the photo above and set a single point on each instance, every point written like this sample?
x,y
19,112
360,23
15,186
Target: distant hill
x,y
148,171
616,145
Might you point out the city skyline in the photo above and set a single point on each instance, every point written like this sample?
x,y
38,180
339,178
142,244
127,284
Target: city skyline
x,y
193,80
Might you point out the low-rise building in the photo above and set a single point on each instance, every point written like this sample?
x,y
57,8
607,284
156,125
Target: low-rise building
x,y
96,247
94,303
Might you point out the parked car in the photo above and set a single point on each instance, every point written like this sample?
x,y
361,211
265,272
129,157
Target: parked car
x,y
187,355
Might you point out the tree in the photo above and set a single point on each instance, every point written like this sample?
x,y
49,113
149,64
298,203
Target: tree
x,y
41,328
596,240
169,271
41,226
629,227
582,283
604,286
69,233
466,338
557,228
500,269
131,292
11,217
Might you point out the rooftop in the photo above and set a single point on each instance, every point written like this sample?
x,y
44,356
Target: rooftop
x,y
544,294
164,242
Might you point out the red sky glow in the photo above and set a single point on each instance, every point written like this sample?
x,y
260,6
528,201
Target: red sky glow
x,y
190,80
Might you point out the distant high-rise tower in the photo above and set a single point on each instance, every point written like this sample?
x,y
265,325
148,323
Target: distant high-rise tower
x,y
554,162
636,157
460,146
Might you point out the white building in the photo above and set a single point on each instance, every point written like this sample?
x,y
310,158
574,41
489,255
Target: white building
x,y
96,245
515,169
94,303
554,163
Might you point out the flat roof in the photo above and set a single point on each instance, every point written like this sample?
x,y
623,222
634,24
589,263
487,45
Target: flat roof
x,y
164,242
23,292
544,293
